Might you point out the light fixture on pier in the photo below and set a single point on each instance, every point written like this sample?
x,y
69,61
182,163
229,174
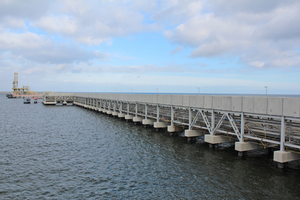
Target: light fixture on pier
x,y
266,89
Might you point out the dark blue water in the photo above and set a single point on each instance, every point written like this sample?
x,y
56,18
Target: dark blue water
x,y
67,152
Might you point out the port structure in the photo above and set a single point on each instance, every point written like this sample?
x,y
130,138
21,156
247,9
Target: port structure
x,y
25,90
22,92
252,122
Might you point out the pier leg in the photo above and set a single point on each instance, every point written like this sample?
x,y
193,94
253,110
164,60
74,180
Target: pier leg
x,y
172,133
211,146
281,165
191,139
242,154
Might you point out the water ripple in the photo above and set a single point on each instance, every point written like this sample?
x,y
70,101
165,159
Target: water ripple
x,y
67,152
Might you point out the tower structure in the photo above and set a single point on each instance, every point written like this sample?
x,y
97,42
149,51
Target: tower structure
x,y
15,83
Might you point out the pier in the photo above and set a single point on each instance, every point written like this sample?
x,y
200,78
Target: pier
x,y
252,122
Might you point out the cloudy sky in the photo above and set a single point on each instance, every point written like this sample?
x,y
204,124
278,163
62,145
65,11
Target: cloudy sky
x,y
173,46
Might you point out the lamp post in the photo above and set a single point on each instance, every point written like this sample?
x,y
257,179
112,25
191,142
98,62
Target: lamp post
x,y
157,90
266,90
198,90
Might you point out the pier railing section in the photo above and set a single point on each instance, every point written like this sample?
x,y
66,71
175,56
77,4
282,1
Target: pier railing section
x,y
251,122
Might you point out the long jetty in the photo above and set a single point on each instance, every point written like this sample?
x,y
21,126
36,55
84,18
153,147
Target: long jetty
x,y
252,122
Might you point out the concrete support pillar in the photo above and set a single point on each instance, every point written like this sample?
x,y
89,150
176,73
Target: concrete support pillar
x,y
285,156
215,139
246,146
109,112
128,117
173,129
121,115
147,122
160,125
115,114
137,119
193,133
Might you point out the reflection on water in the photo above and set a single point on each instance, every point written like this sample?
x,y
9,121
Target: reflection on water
x,y
68,152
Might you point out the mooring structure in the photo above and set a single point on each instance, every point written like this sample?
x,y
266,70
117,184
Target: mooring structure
x,y
252,122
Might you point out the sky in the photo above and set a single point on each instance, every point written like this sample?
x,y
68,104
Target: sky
x,y
140,46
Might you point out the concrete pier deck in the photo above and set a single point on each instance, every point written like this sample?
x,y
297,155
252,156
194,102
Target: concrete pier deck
x,y
250,121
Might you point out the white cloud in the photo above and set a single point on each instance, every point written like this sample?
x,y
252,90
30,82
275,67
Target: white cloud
x,y
94,22
176,50
62,24
174,11
29,9
41,49
257,64
256,31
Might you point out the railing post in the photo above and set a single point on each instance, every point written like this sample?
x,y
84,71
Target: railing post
x,y
146,111
282,135
242,127
136,109
190,118
172,115
157,113
212,122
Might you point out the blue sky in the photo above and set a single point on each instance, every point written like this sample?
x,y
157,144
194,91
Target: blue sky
x,y
171,46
